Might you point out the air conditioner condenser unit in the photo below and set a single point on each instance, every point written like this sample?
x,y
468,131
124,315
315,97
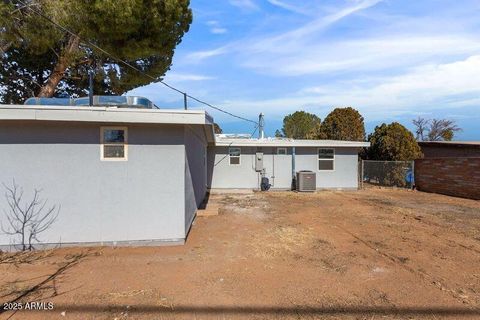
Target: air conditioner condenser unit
x,y
306,181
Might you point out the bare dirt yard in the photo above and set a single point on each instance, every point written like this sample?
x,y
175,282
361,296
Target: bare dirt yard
x,y
371,254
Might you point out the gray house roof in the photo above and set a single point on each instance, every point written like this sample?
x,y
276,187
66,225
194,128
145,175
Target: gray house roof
x,y
109,115
450,143
156,116
225,140
104,114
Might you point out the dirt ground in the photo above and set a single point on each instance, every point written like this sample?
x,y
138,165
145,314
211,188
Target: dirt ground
x,y
371,254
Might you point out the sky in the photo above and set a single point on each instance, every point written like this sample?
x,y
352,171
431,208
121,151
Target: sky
x,y
393,60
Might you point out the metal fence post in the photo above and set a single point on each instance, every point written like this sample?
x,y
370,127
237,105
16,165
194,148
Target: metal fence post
x,y
361,177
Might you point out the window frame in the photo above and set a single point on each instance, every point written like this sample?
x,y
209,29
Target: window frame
x,y
239,156
103,143
282,154
332,160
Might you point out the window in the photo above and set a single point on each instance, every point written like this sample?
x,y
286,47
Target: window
x,y
113,143
326,159
281,151
234,156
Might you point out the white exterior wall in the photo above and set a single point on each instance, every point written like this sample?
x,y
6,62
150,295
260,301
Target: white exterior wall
x,y
344,175
195,171
141,199
278,168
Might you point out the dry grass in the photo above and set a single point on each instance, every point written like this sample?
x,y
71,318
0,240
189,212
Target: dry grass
x,y
281,240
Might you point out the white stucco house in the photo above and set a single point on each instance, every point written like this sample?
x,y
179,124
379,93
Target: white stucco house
x,y
128,175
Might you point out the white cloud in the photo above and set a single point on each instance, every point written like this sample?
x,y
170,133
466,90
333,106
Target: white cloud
x,y
325,21
423,89
387,62
215,27
212,23
288,40
248,5
370,54
289,7
219,30
183,77
198,56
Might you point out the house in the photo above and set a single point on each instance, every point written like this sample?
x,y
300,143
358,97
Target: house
x,y
123,174
120,175
450,149
334,162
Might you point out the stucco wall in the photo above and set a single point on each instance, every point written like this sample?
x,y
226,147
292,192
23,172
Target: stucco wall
x,y
279,168
138,199
345,174
195,171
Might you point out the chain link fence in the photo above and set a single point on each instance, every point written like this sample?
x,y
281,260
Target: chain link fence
x,y
398,174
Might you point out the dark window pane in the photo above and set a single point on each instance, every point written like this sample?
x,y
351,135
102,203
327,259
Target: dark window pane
x,y
113,136
234,160
325,165
326,153
234,151
114,151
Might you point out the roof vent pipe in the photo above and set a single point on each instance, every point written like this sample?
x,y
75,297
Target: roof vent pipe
x,y
261,126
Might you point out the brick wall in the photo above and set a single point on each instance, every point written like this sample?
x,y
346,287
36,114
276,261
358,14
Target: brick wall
x,y
449,151
458,177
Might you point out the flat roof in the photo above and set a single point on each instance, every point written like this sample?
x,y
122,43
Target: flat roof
x,y
104,114
450,143
281,142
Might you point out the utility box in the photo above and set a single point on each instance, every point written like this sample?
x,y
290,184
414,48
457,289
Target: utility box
x,y
259,161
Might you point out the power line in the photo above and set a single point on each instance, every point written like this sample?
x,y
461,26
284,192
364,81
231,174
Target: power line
x,y
91,44
255,130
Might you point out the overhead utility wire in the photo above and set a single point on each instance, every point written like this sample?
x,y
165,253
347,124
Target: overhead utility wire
x,y
130,65
255,130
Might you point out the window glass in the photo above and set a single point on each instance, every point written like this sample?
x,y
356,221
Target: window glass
x,y
234,152
282,151
113,135
325,165
114,143
326,159
234,155
326,154
114,151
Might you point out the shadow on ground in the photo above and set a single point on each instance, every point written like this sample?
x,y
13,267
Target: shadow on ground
x,y
271,311
22,290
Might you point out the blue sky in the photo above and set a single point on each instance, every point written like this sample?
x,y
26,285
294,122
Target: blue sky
x,y
393,60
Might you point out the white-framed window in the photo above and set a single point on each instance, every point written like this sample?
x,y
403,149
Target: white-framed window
x,y
326,159
234,154
282,151
113,143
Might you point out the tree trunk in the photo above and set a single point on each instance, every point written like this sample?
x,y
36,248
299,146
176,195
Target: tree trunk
x,y
4,48
48,89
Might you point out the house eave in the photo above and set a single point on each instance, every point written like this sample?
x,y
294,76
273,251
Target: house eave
x,y
104,114
291,143
100,114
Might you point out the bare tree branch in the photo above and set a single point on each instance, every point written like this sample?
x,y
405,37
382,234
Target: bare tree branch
x,y
26,221
435,129
442,130
421,126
